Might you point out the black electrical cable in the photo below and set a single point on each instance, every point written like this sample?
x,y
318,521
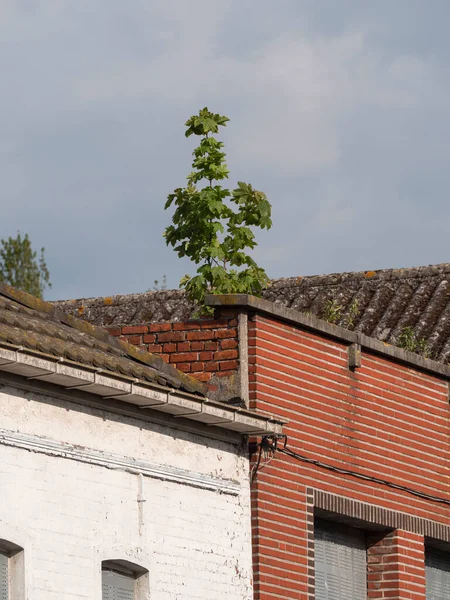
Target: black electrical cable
x,y
268,445
272,442
256,467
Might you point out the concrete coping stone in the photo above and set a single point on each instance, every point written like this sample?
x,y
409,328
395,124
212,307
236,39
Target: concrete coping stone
x,y
251,303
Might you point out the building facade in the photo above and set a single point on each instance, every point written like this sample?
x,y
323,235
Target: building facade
x,y
120,479
355,502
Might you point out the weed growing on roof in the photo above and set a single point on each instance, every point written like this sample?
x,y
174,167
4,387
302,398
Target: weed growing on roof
x,y
408,340
159,285
212,225
332,311
353,311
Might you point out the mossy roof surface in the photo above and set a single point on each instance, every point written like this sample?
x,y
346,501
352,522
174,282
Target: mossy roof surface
x,y
38,326
380,304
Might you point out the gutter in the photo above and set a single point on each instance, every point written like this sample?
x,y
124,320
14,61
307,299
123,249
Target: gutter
x,y
145,395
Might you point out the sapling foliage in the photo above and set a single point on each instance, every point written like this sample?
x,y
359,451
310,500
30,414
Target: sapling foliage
x,y
212,225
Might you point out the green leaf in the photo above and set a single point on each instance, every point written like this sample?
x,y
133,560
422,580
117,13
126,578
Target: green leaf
x,y
213,226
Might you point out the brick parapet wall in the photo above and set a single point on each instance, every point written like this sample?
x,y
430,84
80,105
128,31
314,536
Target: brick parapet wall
x,y
205,349
383,419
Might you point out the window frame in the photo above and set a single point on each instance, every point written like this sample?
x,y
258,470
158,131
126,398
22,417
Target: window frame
x,y
439,550
135,572
14,555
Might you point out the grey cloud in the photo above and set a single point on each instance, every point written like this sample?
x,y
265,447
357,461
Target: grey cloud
x,y
339,112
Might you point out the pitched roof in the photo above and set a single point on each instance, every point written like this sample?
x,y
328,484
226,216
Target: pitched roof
x,y
127,309
379,304
39,327
39,341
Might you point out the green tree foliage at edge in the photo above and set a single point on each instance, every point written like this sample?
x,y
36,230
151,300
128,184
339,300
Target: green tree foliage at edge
x,y
212,225
21,267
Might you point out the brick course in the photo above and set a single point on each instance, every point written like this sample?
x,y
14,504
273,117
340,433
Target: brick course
x,y
201,348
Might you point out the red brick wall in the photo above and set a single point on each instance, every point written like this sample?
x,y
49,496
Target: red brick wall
x,y
385,420
395,566
202,348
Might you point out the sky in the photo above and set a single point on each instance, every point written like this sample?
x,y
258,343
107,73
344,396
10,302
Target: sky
x,y
339,112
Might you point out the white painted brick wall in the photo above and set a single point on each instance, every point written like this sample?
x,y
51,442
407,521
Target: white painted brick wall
x,y
69,515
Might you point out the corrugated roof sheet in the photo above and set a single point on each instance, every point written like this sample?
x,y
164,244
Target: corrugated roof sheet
x,y
40,327
377,303
380,304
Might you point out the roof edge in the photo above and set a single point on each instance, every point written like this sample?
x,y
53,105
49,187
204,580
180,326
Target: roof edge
x,y
102,335
143,394
312,323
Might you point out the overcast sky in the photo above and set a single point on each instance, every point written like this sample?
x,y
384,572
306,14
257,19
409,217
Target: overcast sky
x,y
340,112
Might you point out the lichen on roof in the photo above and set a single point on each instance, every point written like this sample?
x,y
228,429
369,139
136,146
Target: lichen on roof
x,y
380,303
30,323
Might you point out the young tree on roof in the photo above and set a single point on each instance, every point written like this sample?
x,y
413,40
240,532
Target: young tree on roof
x,y
21,267
213,225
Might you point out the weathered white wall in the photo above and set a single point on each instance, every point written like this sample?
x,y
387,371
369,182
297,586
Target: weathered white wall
x,y
69,515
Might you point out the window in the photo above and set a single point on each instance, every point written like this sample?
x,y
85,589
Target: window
x,y
117,586
437,574
123,580
340,562
4,577
11,571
